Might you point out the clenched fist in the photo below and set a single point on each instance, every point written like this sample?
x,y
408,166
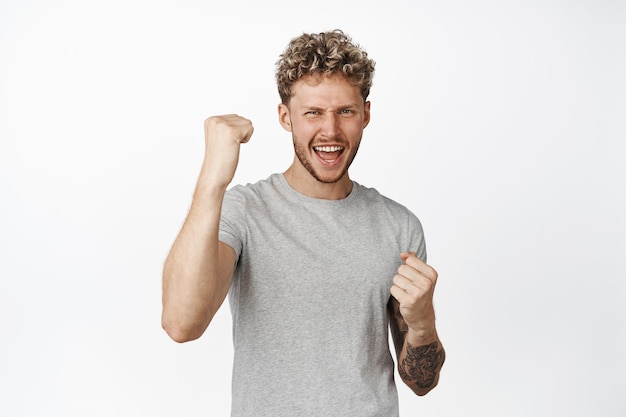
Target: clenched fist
x,y
413,288
223,135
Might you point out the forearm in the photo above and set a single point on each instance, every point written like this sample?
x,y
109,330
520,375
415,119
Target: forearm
x,y
420,360
193,281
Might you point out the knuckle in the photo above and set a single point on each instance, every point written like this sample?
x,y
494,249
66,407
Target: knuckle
x,y
215,119
433,273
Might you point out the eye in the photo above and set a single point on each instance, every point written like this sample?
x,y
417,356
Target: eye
x,y
347,111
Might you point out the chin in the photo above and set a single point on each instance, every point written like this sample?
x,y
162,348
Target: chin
x,y
330,178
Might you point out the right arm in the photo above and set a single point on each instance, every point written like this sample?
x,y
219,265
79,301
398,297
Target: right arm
x,y
199,268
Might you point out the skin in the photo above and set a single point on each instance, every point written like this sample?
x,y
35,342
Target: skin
x,y
323,111
412,321
199,268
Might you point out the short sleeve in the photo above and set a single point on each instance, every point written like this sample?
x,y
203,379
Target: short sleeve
x,y
417,243
233,220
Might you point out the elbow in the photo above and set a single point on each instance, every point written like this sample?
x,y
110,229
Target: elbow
x,y
422,384
180,332
179,335
421,391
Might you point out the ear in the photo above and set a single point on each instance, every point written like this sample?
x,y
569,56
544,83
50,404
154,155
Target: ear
x,y
366,114
283,117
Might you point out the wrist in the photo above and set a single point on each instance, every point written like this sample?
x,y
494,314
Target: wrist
x,y
211,183
208,196
422,336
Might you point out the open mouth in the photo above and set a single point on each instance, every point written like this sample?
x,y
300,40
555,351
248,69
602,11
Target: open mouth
x,y
328,154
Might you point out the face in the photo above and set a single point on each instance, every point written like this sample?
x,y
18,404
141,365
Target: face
x,y
326,117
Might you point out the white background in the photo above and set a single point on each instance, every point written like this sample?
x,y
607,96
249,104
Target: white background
x,y
501,124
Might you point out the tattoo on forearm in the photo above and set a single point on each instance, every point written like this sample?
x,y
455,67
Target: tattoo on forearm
x,y
422,363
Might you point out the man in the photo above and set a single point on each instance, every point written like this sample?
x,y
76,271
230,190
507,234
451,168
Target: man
x,y
316,265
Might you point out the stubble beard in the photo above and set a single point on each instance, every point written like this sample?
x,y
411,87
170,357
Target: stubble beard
x,y
302,155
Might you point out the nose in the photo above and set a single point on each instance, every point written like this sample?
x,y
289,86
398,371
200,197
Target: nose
x,y
330,126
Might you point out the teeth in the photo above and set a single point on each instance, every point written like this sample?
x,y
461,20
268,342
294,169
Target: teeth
x,y
327,148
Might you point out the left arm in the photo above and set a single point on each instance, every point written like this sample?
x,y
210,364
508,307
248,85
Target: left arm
x,y
419,351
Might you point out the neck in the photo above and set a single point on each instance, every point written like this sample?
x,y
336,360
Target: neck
x,y
304,183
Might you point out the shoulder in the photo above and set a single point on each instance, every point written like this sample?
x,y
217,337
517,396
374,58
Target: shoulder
x,y
251,191
389,211
269,182
373,198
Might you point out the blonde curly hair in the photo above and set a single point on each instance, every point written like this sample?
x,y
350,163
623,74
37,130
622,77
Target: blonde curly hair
x,y
323,53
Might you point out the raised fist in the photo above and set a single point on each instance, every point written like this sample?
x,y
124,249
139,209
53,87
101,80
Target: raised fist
x,y
223,135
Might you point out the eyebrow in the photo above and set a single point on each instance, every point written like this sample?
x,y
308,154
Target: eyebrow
x,y
340,107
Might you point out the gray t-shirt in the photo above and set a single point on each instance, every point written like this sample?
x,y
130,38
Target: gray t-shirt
x,y
309,299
